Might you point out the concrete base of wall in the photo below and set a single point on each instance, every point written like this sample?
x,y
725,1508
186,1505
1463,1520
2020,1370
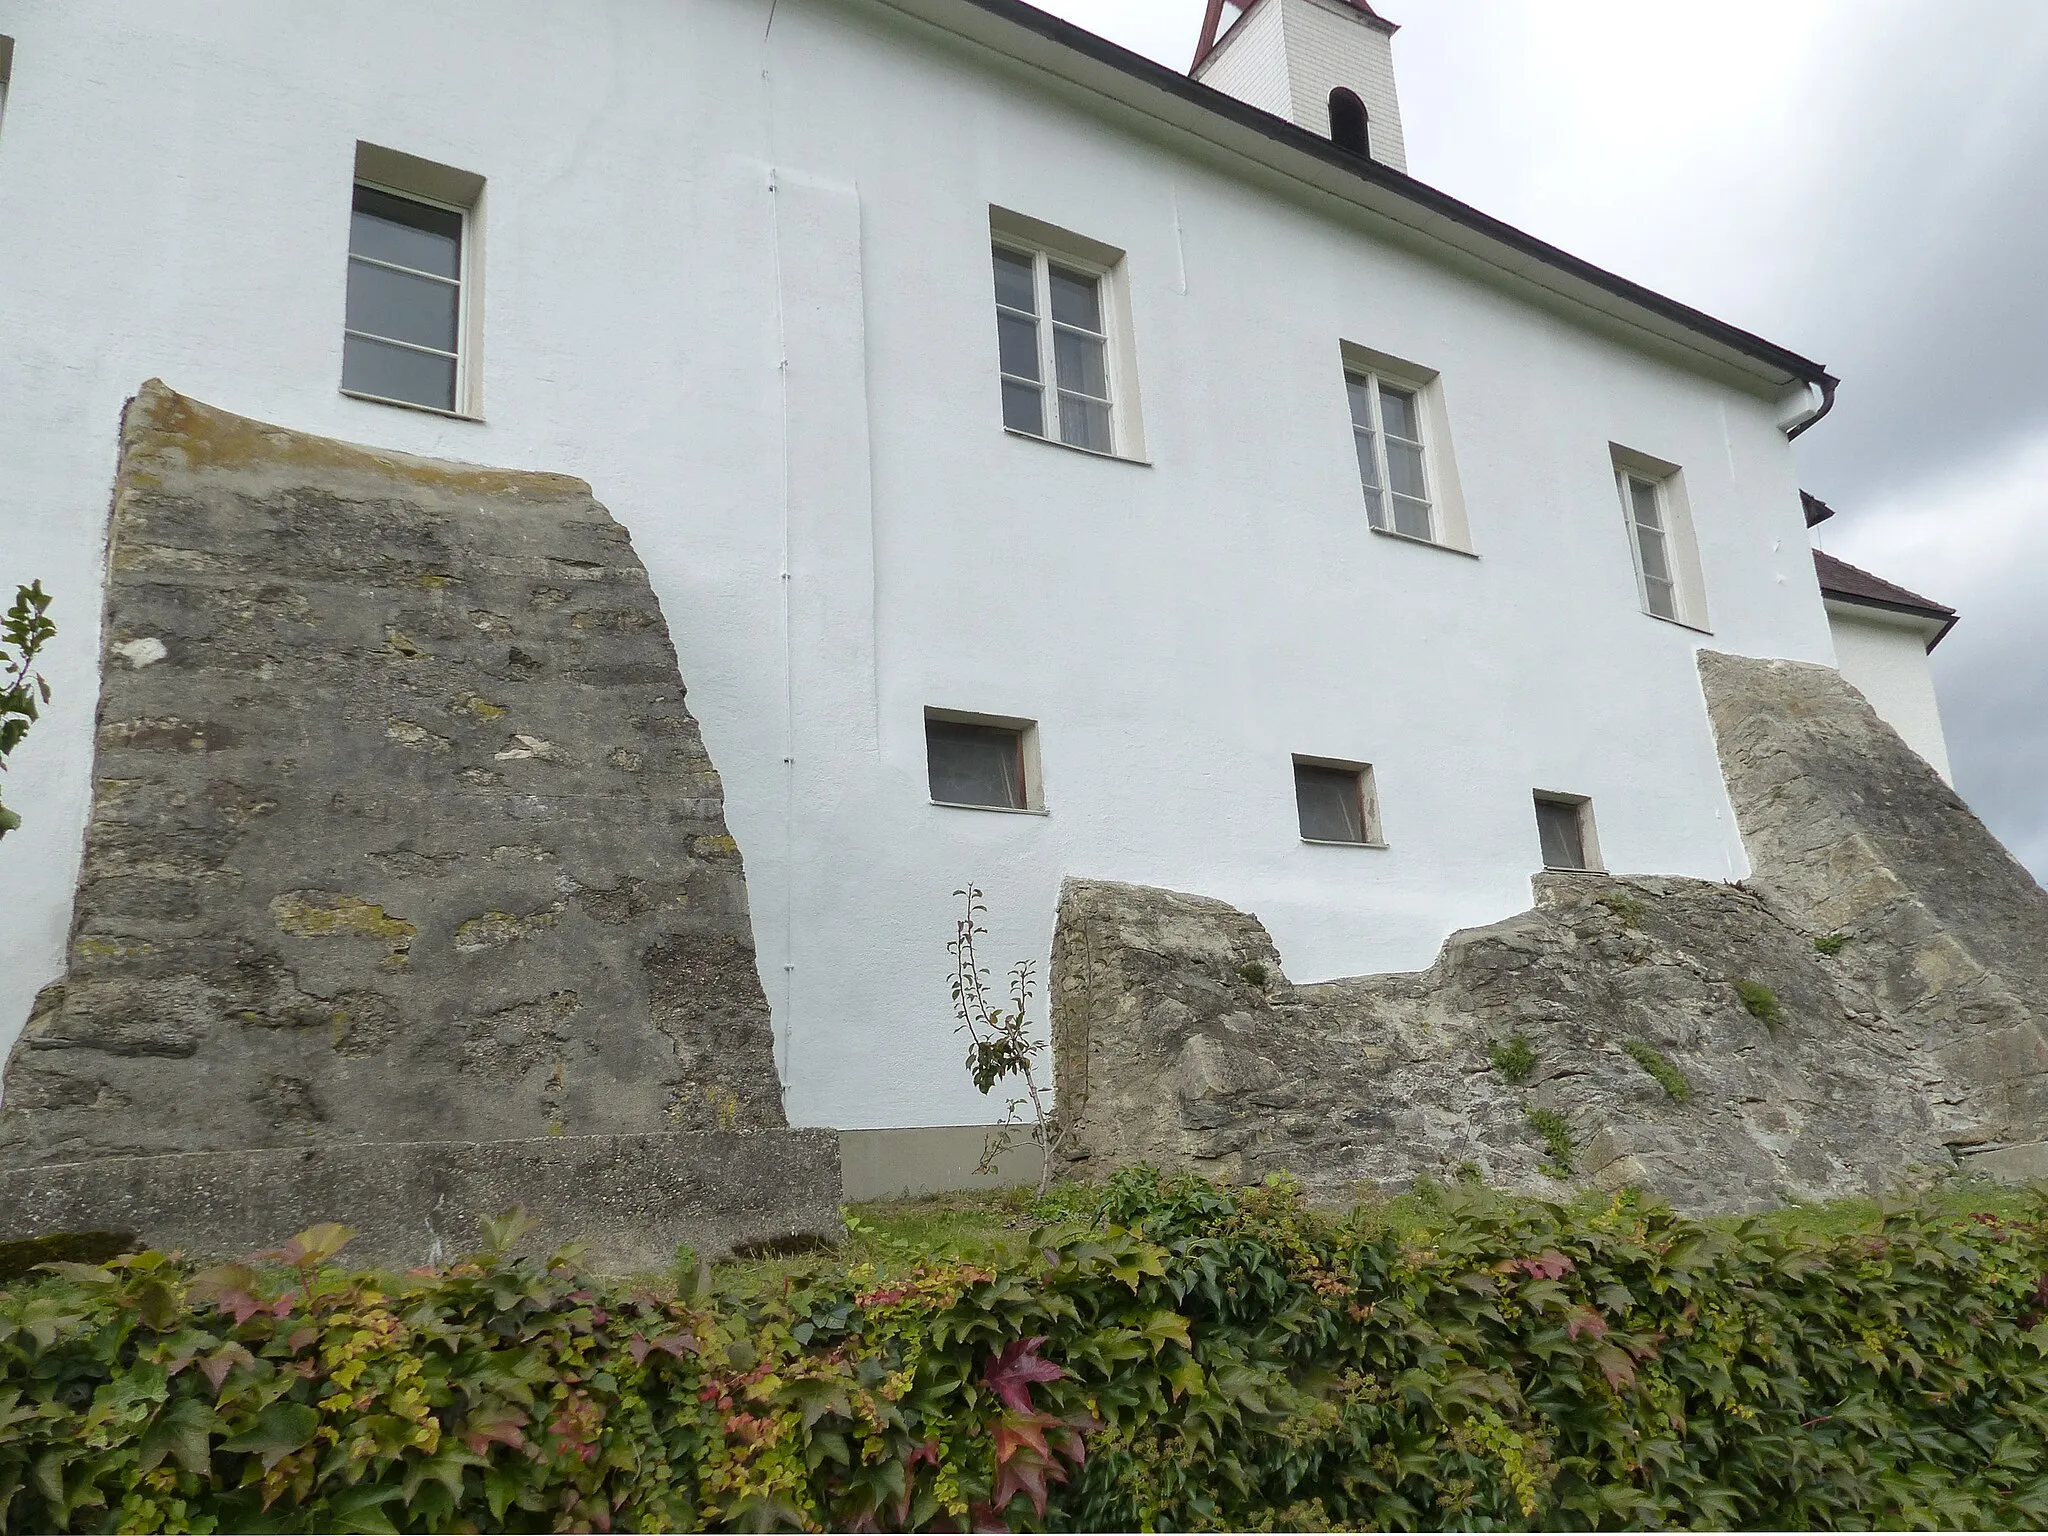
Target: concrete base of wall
x,y
631,1200
929,1160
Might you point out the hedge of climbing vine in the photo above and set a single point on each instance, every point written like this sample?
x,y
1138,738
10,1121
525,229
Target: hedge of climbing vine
x,y
1176,1356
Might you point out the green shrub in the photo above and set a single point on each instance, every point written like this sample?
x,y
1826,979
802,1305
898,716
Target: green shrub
x,y
1762,1003
1556,1132
1180,1357
1652,1061
1830,943
1253,972
1513,1058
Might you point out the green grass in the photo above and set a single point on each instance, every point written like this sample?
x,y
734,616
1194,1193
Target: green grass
x,y
1651,1060
1762,1003
1513,1058
1556,1132
1831,943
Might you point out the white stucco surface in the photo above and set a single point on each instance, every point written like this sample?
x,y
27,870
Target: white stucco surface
x,y
739,280
1885,656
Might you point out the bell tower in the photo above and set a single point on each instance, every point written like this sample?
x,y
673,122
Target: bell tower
x,y
1324,65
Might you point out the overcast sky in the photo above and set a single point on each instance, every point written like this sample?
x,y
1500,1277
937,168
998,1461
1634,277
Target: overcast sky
x,y
1863,181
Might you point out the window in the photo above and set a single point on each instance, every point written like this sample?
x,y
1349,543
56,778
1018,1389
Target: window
x,y
1659,522
1386,425
404,328
1051,325
1335,802
1564,828
410,329
1348,122
981,760
6,71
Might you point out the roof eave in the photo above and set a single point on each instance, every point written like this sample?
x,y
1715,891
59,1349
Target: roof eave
x,y
1939,621
1025,35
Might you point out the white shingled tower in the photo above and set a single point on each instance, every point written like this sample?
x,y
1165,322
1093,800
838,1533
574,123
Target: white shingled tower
x,y
1324,65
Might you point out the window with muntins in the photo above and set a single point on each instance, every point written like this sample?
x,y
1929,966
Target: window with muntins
x,y
972,764
405,317
1649,532
1564,828
1053,343
1335,803
1393,467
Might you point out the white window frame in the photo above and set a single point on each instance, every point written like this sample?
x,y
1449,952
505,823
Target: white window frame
x,y
1681,550
1374,383
397,174
1448,526
1046,246
461,283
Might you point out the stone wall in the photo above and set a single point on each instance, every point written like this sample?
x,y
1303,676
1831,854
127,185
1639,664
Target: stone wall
x,y
401,833
1900,1045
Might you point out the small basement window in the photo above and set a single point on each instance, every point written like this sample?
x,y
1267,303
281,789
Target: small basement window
x,y
1335,802
1564,828
980,761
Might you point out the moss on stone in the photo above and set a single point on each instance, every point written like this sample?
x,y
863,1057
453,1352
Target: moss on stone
x,y
1556,1132
1761,1002
1513,1058
1652,1061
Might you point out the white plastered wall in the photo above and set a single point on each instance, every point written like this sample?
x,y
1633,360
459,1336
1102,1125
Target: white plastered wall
x,y
1250,63
740,281
1885,655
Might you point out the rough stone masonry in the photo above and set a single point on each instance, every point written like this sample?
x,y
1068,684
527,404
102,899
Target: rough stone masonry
x,y
1870,1008
407,891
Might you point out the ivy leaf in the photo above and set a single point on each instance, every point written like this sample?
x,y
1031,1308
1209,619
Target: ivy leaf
x,y
280,1429
1012,1372
1585,1320
181,1432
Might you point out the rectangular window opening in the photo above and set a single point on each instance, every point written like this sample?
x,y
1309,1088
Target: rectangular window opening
x,y
1660,537
980,761
1564,829
6,73
409,329
1062,343
1335,802
1397,435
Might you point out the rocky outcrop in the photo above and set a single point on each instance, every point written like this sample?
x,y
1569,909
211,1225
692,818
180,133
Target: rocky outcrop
x,y
1864,1012
402,833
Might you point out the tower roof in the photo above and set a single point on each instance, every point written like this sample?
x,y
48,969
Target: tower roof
x,y
1213,29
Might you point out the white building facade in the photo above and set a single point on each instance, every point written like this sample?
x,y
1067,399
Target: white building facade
x,y
1353,480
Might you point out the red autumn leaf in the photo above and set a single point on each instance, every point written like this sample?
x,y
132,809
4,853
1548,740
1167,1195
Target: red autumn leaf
x,y
1015,1434
1619,1370
1026,1474
637,1346
1012,1373
494,1421
1586,1320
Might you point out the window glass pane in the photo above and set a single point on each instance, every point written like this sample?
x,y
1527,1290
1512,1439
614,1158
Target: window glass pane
x,y
1404,470
1085,424
1643,502
397,229
1013,281
1024,407
1081,363
1660,597
1360,391
1559,827
1650,543
1397,413
397,373
974,764
1075,299
403,307
1330,804
1412,518
1017,343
